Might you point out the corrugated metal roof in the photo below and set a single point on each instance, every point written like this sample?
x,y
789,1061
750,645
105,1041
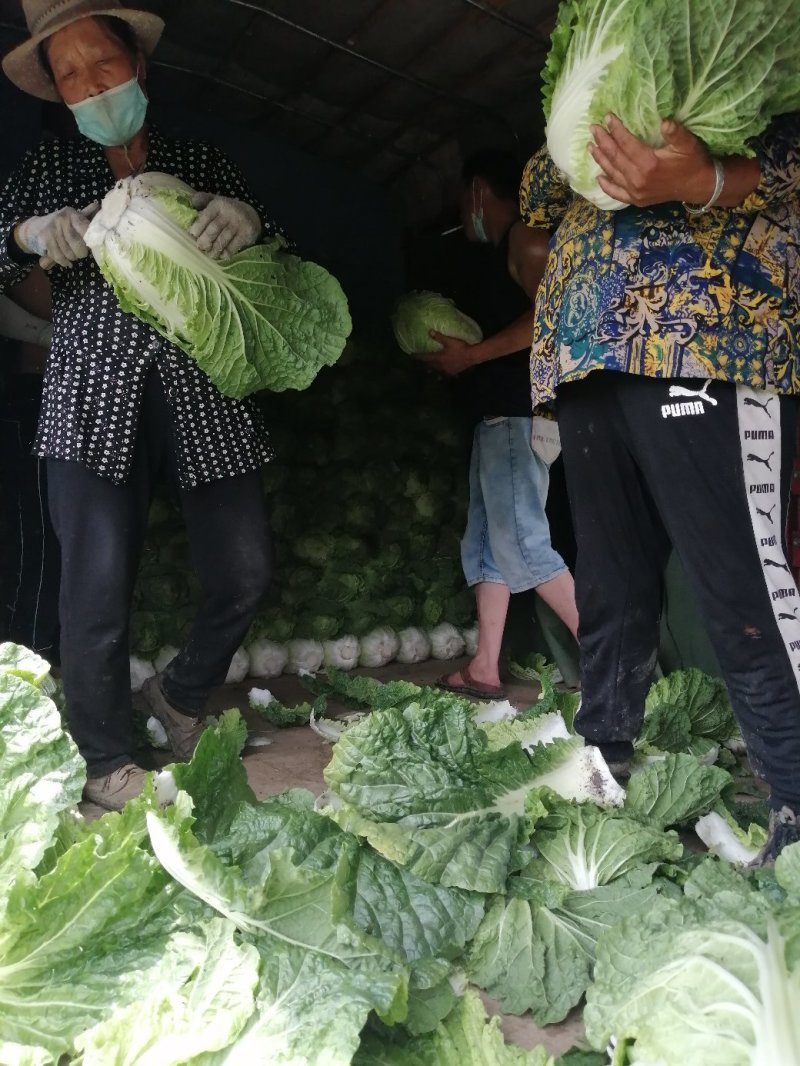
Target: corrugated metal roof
x,y
399,89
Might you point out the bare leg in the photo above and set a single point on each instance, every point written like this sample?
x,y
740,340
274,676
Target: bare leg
x,y
560,595
492,600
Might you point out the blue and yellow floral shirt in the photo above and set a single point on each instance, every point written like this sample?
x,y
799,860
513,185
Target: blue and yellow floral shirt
x,y
662,293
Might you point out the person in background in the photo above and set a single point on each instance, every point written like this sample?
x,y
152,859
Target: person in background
x,y
670,332
121,406
30,558
507,546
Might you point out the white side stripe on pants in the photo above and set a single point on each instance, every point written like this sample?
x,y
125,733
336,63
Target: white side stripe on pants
x,y
760,437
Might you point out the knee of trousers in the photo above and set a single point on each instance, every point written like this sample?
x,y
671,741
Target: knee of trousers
x,y
102,620
248,587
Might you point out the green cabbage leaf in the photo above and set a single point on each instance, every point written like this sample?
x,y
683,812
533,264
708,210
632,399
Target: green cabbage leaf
x,y
724,68
262,319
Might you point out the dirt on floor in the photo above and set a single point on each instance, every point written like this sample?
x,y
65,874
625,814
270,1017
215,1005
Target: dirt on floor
x,y
278,759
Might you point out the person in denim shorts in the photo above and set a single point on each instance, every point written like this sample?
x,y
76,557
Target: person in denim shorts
x,y
506,546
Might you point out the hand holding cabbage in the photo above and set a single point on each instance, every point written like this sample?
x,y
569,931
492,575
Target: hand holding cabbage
x,y
723,69
431,328
634,173
57,238
224,226
261,319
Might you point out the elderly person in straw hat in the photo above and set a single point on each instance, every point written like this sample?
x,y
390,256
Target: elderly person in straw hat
x,y
121,406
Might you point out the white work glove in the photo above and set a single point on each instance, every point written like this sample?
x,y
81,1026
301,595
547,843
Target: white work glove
x,y
56,238
224,226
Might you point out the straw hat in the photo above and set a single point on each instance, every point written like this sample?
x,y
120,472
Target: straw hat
x,y
23,65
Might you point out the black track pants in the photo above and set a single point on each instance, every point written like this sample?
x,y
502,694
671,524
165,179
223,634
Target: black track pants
x,y
707,467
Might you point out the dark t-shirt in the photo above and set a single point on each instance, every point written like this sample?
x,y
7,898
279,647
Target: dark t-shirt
x,y
490,296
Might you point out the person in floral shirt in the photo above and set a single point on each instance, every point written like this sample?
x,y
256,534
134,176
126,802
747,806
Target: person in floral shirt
x,y
668,331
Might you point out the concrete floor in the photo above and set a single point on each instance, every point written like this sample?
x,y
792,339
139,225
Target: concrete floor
x,y
296,758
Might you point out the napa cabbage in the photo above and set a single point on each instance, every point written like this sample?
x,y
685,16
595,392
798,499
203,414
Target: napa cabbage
x,y
262,319
415,647
304,656
417,313
446,641
724,68
141,669
379,647
342,654
267,658
239,667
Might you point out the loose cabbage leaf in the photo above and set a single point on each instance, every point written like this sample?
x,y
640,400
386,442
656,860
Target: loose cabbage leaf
x,y
172,1025
699,981
585,847
723,836
465,1038
22,662
699,701
41,771
787,871
675,790
320,975
537,954
94,933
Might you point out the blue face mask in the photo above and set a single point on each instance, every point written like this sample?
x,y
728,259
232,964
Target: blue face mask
x,y
478,224
114,117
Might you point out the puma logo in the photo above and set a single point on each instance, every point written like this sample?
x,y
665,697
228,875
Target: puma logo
x,y
767,514
694,394
750,402
778,566
765,462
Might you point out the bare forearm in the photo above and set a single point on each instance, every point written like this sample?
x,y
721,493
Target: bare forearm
x,y
514,338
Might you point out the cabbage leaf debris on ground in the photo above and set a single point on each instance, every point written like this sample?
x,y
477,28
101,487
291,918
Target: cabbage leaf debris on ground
x,y
202,926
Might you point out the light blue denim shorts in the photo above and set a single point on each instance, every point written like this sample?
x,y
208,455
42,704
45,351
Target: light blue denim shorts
x,y
507,539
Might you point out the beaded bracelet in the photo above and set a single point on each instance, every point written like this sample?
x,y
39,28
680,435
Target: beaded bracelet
x,y
719,185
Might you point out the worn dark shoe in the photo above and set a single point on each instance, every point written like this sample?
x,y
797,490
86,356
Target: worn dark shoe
x,y
620,770
114,790
784,829
183,731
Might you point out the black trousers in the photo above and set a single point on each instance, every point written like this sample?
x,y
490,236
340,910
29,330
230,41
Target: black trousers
x,y
29,560
707,467
101,529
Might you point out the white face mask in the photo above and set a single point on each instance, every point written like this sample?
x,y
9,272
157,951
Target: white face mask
x,y
478,222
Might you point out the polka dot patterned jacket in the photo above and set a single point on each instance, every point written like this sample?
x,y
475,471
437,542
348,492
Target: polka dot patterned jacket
x,y
101,356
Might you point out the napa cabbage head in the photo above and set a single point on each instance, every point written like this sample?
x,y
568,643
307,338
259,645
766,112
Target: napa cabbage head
x,y
723,68
417,313
262,319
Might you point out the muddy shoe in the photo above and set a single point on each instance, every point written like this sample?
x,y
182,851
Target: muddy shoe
x,y
183,731
784,829
620,770
114,790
